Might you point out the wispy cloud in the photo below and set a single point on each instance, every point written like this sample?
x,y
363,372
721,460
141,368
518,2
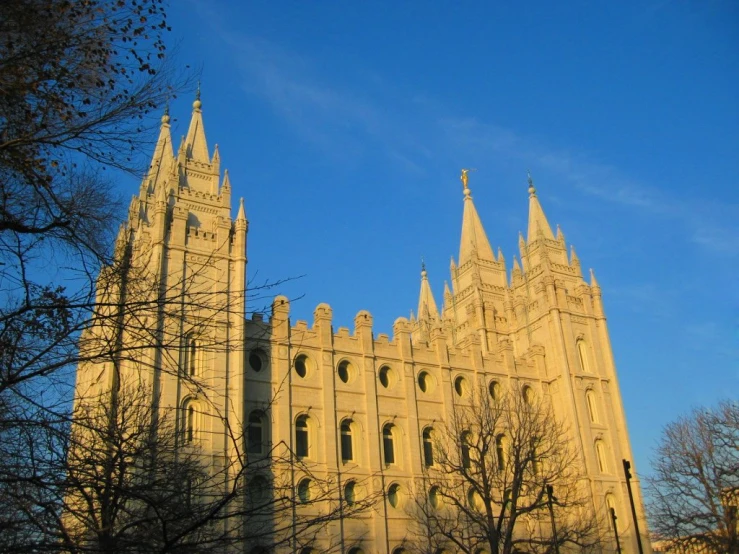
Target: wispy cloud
x,y
711,225
346,120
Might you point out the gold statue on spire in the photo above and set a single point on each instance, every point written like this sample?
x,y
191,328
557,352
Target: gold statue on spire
x,y
465,178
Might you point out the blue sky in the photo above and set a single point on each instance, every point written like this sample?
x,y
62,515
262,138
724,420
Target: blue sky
x,y
344,126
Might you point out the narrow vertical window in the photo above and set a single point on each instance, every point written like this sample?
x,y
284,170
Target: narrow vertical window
x,y
592,411
388,445
301,437
255,437
528,395
188,493
464,442
582,351
428,448
611,509
600,451
347,453
190,424
191,357
350,493
500,451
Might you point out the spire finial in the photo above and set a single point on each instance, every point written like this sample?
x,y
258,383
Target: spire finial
x,y
423,267
465,180
197,104
165,115
532,190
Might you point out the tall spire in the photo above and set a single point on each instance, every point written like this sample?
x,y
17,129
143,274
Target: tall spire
x,y
241,216
163,153
537,219
196,147
426,304
474,241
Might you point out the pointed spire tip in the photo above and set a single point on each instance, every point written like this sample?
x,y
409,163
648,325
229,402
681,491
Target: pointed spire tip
x,y
197,104
532,189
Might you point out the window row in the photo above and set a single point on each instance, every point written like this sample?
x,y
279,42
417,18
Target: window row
x,y
390,443
346,371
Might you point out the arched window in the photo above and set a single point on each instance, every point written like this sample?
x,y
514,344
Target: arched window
x,y
582,351
464,443
347,452
494,389
388,444
191,421
302,444
394,495
600,452
611,509
435,497
255,433
500,451
350,493
428,447
399,550
592,410
528,395
305,492
356,550
535,455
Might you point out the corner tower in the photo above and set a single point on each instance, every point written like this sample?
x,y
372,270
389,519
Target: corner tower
x,y
545,326
176,294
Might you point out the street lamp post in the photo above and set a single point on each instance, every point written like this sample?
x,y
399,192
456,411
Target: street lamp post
x,y
615,530
550,499
627,472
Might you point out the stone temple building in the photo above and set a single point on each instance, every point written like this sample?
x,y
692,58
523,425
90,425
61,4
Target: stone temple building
x,y
355,404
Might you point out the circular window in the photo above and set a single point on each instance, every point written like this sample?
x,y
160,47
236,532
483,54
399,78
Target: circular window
x,y
345,371
257,489
350,493
435,497
303,365
461,386
474,500
304,491
387,377
257,360
494,389
394,495
426,382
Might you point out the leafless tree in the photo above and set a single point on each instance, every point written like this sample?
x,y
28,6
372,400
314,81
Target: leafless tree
x,y
695,487
488,487
113,478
